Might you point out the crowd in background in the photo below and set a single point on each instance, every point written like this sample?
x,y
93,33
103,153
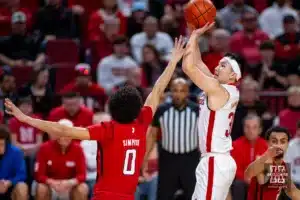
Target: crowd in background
x,y
62,59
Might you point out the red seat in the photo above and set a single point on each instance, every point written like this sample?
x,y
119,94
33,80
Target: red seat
x,y
64,74
33,5
62,51
5,27
22,74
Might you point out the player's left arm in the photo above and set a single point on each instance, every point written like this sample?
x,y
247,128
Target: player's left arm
x,y
52,128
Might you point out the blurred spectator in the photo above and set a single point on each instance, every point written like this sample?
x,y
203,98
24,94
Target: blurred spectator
x,y
55,21
178,146
73,110
271,18
287,47
110,9
230,16
289,117
40,91
270,73
12,6
249,104
245,150
152,64
162,41
247,41
25,136
90,151
60,170
148,183
20,49
94,96
292,156
12,169
136,20
112,70
219,45
169,25
7,90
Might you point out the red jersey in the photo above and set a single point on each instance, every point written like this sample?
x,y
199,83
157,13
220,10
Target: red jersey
x,y
83,118
52,163
26,135
121,148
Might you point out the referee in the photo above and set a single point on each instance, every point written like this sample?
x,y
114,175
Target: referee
x,y
176,124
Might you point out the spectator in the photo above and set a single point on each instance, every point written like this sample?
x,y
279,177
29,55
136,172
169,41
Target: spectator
x,y
287,48
249,104
152,65
292,156
12,169
94,96
136,20
288,117
26,137
72,110
110,9
20,49
55,21
245,150
112,70
40,91
230,16
169,25
162,41
270,73
90,151
178,146
246,42
219,45
7,90
60,170
271,18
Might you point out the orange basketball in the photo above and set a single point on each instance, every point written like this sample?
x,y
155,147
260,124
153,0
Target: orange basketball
x,y
199,12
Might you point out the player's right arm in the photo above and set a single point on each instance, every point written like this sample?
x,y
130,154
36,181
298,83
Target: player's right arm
x,y
257,167
194,67
162,82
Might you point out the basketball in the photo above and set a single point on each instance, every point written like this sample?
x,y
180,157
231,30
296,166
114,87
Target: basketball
x,y
199,12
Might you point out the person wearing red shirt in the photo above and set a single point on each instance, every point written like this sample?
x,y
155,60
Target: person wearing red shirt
x,y
60,169
245,150
246,42
93,95
289,117
269,174
121,141
72,110
97,19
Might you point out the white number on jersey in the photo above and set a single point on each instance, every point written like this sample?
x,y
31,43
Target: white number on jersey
x,y
129,163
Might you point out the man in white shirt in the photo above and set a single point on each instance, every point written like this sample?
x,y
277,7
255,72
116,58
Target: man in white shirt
x,y
112,70
162,41
271,18
292,156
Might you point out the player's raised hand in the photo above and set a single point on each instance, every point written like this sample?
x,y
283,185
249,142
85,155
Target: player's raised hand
x,y
200,31
178,49
272,152
12,109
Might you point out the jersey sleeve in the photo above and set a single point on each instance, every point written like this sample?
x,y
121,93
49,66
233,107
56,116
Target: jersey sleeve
x,y
100,132
146,115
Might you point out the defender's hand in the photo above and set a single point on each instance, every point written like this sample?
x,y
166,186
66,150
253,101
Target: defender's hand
x,y
12,109
178,49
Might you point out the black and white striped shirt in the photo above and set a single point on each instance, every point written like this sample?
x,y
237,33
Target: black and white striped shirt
x,y
179,132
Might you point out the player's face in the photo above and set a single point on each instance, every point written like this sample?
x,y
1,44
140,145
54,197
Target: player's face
x,y
223,72
279,140
252,129
179,92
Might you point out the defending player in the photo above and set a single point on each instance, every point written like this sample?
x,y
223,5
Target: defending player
x,y
217,168
271,181
122,141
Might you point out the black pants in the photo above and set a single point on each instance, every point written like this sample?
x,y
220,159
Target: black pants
x,y
176,171
7,195
239,190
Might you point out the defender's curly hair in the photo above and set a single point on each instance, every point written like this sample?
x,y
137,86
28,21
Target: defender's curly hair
x,y
125,105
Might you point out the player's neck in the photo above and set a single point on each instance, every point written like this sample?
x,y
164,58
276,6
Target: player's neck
x,y
278,161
